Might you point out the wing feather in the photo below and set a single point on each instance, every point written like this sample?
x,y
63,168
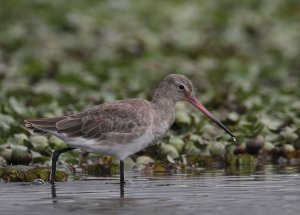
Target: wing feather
x,y
114,121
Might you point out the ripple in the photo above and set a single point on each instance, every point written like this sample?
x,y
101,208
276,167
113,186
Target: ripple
x,y
275,192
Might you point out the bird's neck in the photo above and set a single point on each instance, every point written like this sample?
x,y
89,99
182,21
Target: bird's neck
x,y
163,104
163,100
164,115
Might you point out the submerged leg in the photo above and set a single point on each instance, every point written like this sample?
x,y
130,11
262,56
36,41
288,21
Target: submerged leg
x,y
55,156
122,178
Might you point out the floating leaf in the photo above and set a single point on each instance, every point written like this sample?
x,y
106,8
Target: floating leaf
x,y
183,118
170,150
268,147
216,149
40,144
271,123
178,143
289,134
6,121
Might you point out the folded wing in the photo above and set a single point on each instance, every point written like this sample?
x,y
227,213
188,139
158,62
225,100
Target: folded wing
x,y
121,120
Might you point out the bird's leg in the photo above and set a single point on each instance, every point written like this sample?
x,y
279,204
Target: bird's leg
x,y
122,172
122,178
55,156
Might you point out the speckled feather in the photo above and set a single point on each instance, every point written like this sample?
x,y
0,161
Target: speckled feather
x,y
125,118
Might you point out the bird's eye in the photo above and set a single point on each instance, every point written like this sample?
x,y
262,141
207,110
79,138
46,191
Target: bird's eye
x,y
181,87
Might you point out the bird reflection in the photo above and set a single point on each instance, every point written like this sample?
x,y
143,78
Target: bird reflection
x,y
121,190
53,193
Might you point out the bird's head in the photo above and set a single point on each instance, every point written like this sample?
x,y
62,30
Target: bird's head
x,y
180,88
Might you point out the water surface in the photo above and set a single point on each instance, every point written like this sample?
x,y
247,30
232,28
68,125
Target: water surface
x,y
268,190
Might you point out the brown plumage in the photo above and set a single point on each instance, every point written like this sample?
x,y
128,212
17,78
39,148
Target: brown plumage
x,y
120,116
124,127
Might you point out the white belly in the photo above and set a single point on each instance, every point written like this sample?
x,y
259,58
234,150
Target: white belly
x,y
104,147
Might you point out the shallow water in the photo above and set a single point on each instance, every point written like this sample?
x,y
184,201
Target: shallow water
x,y
267,190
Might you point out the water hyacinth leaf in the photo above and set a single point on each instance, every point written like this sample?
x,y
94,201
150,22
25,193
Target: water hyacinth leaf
x,y
38,139
21,137
2,163
289,134
183,117
233,116
20,155
178,143
143,161
190,148
210,131
253,102
18,139
6,121
16,106
40,144
68,158
205,152
56,143
251,128
285,153
216,148
47,89
37,158
271,123
170,150
198,141
272,137
6,152
288,148
268,147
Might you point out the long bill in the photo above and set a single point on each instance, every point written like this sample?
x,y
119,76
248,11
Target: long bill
x,y
194,101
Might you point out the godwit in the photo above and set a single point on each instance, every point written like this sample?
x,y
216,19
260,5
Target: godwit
x,y
124,127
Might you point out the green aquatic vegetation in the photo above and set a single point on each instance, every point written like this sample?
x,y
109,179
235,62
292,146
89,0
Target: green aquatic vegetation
x,y
15,154
58,58
104,167
29,174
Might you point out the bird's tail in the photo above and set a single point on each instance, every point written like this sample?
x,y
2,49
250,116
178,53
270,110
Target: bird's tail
x,y
42,124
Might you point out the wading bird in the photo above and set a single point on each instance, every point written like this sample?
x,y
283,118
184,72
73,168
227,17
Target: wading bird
x,y
122,128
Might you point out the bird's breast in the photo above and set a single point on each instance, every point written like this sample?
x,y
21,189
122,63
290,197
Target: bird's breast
x,y
162,124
